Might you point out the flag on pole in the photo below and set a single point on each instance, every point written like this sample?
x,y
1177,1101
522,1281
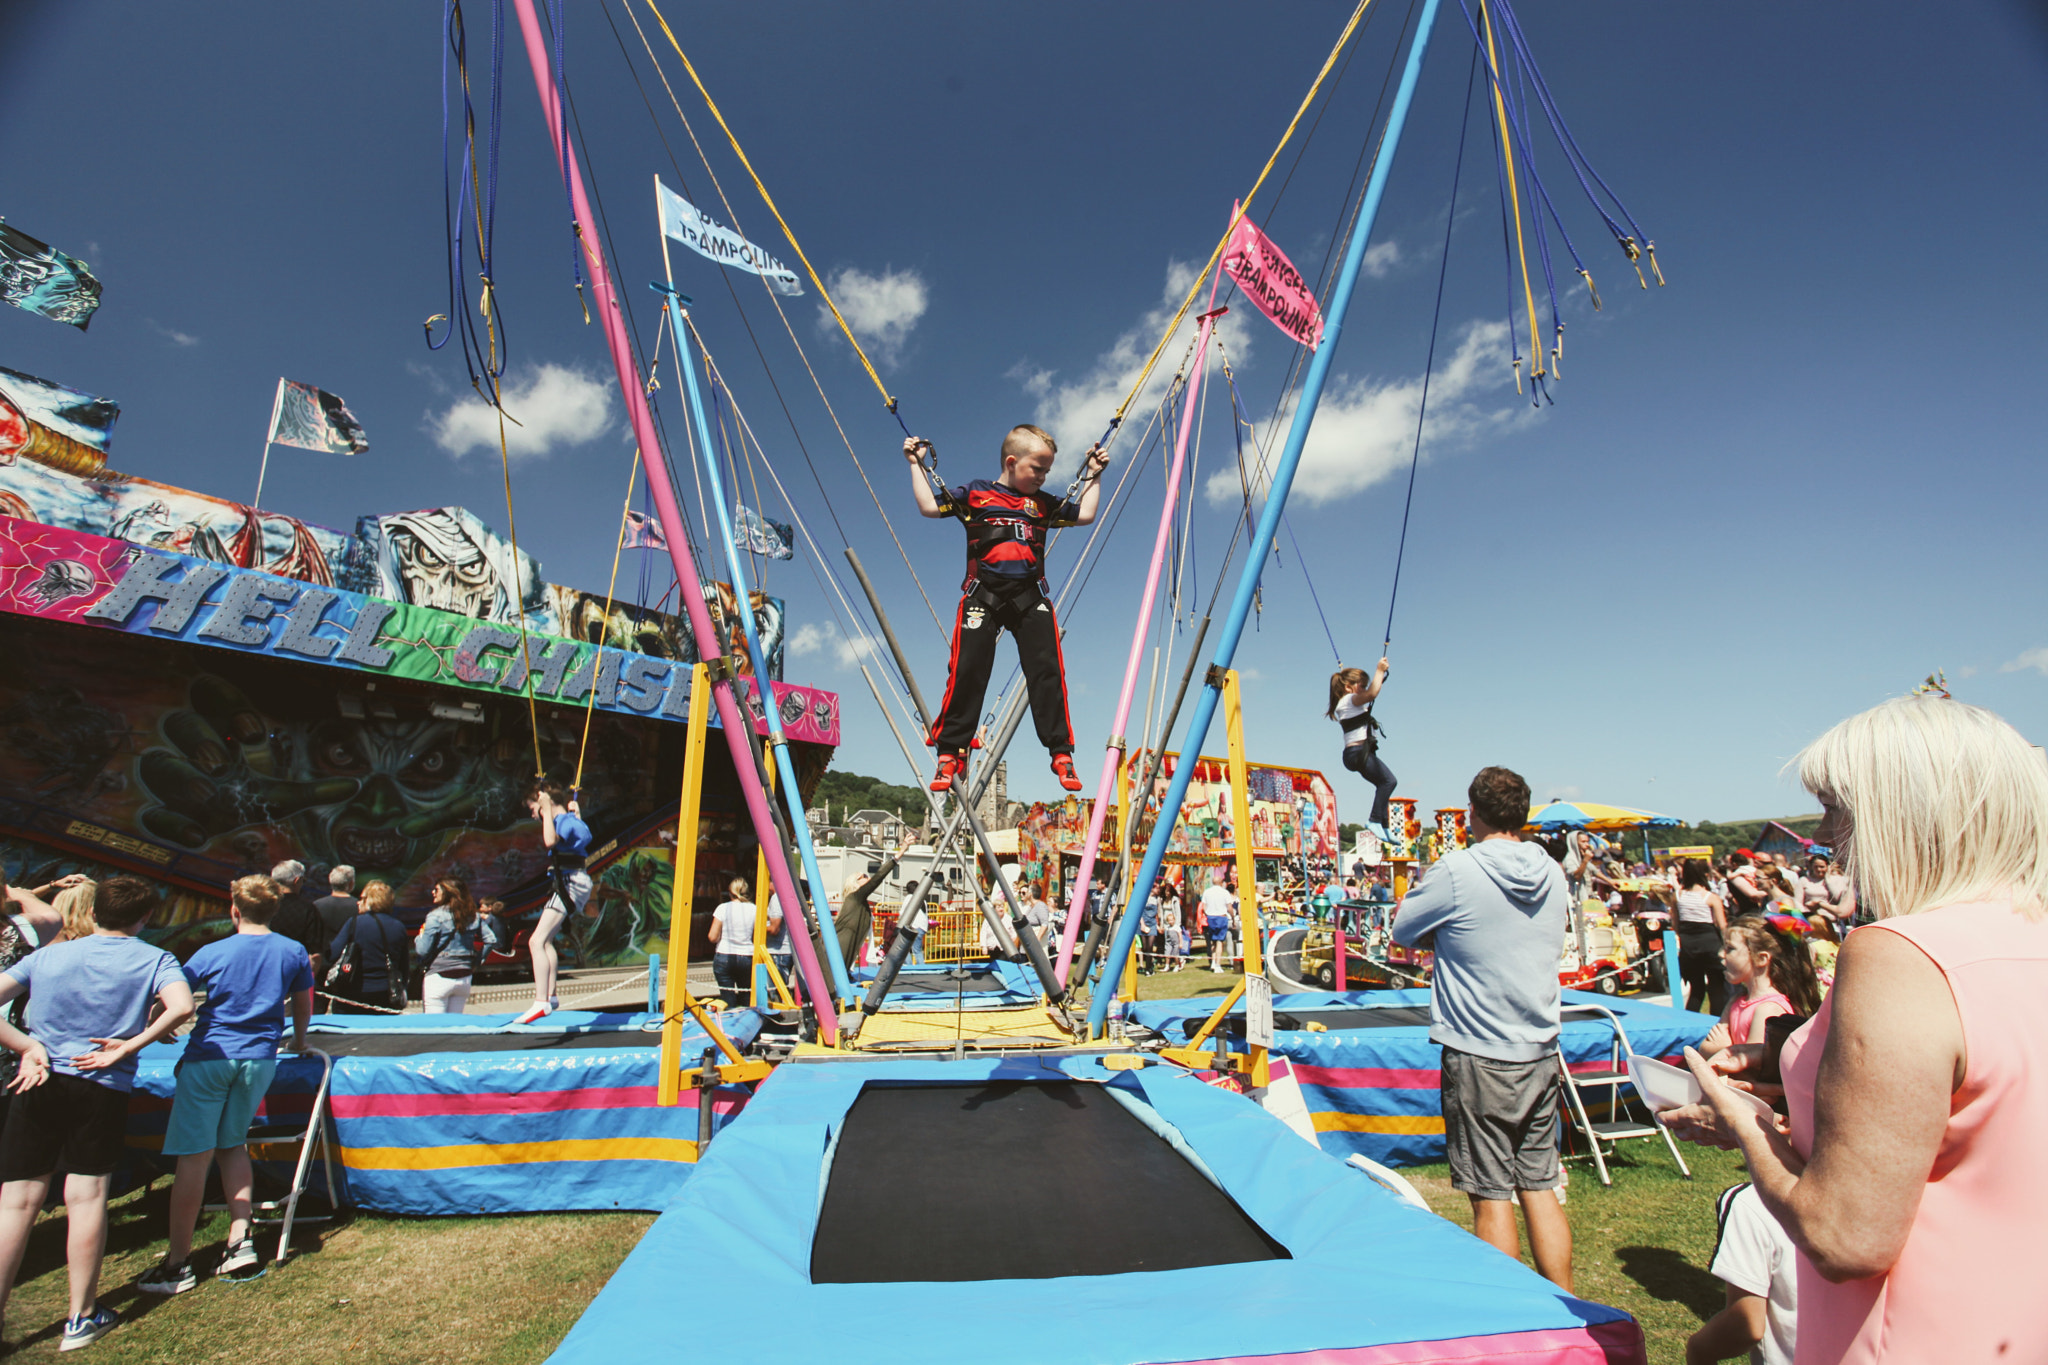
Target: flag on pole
x,y
42,279
756,533
313,419
644,533
1271,282
696,230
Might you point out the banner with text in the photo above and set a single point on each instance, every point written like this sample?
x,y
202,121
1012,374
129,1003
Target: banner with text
x,y
1271,282
63,575
696,230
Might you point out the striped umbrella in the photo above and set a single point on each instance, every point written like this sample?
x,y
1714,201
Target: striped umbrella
x,y
1592,815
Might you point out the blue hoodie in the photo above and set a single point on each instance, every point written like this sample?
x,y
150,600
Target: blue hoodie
x,y
1499,911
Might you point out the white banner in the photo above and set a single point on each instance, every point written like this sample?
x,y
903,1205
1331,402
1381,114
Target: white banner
x,y
689,225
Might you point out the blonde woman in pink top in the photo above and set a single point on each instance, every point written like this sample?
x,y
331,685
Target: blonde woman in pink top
x,y
1909,1175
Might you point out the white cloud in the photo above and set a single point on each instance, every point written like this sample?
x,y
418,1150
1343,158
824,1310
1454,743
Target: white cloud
x,y
2036,659
811,638
175,337
881,309
1365,428
1076,411
552,405
1381,258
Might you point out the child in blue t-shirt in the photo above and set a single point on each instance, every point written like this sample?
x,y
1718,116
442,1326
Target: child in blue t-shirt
x,y
226,1070
567,840
89,1012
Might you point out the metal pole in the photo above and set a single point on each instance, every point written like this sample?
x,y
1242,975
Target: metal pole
x,y
732,716
1033,948
1276,503
792,796
269,435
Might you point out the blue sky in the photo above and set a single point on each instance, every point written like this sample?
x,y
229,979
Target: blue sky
x,y
1777,491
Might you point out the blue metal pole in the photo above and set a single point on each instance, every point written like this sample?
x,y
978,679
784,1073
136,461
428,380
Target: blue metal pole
x,y
792,799
1268,528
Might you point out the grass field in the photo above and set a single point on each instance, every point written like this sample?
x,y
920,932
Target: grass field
x,y
504,1291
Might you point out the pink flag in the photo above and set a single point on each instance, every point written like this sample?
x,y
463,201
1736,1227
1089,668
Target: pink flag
x,y
1270,280
644,533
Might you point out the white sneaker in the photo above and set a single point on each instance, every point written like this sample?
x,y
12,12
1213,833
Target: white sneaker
x,y
240,1256
539,1010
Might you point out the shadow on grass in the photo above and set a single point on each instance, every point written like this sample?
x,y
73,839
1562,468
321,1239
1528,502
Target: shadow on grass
x,y
1666,1274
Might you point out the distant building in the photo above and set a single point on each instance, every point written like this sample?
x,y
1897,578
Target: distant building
x,y
877,827
993,810
1775,839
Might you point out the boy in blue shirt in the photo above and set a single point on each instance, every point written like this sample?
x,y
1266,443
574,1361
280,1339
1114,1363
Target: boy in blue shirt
x,y
226,1070
567,841
89,1012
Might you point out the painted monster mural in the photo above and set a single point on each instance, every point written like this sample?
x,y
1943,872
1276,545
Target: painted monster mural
x,y
249,764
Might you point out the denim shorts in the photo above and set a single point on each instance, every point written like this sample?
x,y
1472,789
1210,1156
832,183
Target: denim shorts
x,y
216,1099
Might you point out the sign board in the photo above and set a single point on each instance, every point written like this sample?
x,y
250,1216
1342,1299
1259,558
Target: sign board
x,y
1258,1011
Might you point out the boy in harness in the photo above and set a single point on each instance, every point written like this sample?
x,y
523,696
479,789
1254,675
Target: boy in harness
x,y
1006,522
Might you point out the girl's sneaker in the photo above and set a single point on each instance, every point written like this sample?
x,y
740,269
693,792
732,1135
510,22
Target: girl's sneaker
x,y
83,1331
170,1278
536,1012
241,1256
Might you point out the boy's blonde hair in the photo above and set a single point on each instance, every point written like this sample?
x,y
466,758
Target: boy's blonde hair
x,y
1022,439
256,897
1946,804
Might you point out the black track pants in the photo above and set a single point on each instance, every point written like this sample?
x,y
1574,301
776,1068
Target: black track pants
x,y
997,605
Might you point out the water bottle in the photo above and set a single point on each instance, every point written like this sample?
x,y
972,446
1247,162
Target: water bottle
x,y
1116,1016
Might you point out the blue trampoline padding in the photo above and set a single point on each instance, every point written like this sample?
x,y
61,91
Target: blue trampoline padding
x,y
443,1131
1366,1269
1377,1091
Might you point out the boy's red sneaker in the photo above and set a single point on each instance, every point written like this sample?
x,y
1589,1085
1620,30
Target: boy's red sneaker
x,y
1063,769
949,768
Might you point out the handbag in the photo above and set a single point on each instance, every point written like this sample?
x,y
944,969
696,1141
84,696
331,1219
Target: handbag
x,y
342,974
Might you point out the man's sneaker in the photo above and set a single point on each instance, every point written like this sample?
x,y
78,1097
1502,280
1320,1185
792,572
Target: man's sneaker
x,y
83,1331
241,1256
950,766
170,1277
537,1011
1063,769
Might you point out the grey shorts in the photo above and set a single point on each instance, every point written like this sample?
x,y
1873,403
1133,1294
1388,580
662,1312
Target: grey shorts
x,y
1500,1124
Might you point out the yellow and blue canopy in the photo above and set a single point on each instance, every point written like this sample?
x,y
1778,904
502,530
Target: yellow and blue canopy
x,y
1592,815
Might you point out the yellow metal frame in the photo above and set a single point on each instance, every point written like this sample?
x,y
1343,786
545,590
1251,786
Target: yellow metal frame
x,y
1252,1063
676,999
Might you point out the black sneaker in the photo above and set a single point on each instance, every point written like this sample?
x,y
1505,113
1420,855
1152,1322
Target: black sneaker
x,y
170,1277
83,1331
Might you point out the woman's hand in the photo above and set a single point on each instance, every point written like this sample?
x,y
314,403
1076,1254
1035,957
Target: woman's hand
x,y
35,1069
110,1053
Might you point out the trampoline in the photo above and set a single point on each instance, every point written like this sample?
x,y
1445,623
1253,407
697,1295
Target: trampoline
x,y
988,985
1371,1078
1076,1182
459,1114
918,1212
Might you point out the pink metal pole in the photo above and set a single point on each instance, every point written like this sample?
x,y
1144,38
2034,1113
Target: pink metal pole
x,y
1077,912
731,714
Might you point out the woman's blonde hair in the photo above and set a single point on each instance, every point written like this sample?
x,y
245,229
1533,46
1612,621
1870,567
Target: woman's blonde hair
x,y
75,904
1945,804
375,898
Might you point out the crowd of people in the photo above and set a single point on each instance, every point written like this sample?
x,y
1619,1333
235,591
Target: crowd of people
x,y
1890,1201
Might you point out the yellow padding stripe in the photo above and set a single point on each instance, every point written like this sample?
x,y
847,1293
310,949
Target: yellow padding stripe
x,y
516,1153
1377,1123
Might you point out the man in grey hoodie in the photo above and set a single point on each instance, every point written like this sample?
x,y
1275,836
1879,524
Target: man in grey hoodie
x,y
1495,915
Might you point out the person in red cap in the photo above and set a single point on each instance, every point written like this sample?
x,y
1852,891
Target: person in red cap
x,y
1006,521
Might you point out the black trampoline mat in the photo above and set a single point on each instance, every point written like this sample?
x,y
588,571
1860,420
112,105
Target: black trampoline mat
x,y
937,983
1382,1016
1015,1180
394,1044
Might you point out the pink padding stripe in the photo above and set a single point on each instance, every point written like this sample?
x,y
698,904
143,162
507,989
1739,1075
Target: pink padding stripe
x,y
493,1102
1369,1077
1602,1343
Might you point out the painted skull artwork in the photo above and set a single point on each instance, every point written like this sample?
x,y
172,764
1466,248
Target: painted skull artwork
x,y
61,580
